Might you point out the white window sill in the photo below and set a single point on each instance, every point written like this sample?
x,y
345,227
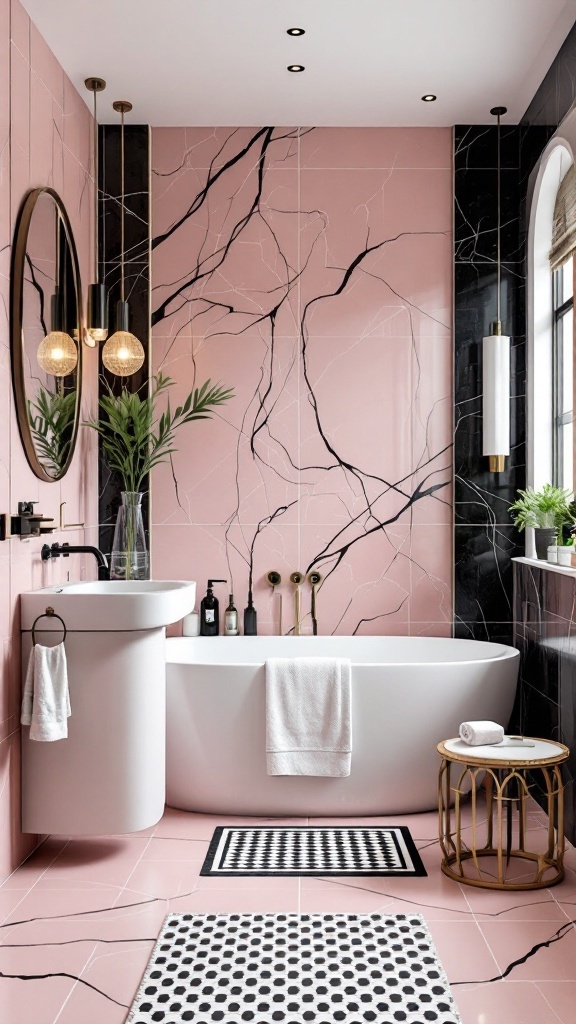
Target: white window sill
x,y
564,570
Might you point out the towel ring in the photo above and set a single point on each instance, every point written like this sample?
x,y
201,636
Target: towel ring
x,y
51,614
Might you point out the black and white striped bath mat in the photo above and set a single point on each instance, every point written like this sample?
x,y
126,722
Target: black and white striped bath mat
x,y
311,850
295,969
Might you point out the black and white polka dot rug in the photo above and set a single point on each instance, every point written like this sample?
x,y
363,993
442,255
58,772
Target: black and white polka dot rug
x,y
294,969
308,850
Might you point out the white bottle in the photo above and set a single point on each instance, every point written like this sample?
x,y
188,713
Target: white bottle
x,y
191,624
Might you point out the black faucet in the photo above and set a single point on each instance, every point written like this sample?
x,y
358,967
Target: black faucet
x,y
55,550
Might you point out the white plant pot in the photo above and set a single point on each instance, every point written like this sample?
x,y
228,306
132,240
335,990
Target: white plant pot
x,y
565,555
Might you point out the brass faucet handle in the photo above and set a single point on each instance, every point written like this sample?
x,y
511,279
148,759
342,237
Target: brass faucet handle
x,y
297,578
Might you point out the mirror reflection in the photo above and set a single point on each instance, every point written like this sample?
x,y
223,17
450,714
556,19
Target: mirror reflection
x,y
46,341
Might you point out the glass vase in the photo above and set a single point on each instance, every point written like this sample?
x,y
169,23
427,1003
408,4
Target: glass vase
x,y
129,559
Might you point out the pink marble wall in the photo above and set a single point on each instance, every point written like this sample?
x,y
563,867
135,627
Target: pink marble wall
x,y
310,269
45,139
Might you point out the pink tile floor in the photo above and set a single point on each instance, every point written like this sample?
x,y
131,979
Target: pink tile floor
x,y
80,917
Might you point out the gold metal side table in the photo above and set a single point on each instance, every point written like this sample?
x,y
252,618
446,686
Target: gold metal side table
x,y
483,841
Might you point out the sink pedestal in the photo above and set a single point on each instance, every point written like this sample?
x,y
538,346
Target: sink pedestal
x,y
108,776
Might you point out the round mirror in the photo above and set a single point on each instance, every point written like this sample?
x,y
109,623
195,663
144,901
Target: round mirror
x,y
46,333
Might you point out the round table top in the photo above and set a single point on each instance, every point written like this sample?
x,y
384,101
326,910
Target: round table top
x,y
544,752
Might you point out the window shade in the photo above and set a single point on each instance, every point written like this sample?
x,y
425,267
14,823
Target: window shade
x,y
564,225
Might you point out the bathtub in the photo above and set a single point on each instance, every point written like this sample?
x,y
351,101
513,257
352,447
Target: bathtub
x,y
408,693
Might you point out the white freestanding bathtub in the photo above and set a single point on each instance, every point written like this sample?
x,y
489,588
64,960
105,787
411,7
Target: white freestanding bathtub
x,y
408,693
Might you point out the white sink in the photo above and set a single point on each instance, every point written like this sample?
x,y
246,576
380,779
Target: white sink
x,y
114,605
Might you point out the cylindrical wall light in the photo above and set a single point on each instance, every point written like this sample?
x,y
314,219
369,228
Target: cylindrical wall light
x,y
496,367
496,398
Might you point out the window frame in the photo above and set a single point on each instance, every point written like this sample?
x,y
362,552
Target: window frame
x,y
560,418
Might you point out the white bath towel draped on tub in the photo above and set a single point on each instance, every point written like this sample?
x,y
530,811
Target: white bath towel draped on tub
x,y
308,716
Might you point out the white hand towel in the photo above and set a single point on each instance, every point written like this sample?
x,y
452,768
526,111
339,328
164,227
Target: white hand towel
x,y
46,698
308,716
476,734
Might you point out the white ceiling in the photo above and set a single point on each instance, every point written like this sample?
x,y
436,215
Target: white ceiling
x,y
368,62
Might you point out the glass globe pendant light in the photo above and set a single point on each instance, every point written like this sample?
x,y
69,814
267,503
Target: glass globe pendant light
x,y
123,353
57,353
97,308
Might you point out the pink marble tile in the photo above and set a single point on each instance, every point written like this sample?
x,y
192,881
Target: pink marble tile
x,y
431,570
45,66
357,148
463,950
33,869
102,859
217,474
166,879
115,970
504,1003
370,381
19,129
512,940
560,996
19,27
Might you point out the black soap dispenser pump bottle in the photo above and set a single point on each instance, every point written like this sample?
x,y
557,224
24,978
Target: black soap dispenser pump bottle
x,y
210,612
250,622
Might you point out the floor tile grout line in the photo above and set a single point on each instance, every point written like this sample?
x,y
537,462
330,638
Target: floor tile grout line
x,y
538,989
478,925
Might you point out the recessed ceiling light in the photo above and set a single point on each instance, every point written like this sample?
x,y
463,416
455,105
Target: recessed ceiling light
x,y
429,97
295,31
296,67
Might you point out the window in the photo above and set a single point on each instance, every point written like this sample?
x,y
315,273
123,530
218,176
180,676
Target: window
x,y
562,342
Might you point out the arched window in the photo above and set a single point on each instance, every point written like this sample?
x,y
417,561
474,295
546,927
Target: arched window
x,y
551,243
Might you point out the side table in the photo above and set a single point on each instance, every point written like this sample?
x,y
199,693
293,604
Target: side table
x,y
482,848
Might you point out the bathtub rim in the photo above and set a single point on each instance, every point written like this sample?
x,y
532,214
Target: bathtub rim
x,y
505,652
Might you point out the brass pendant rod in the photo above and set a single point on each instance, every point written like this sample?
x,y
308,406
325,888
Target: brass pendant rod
x,y
96,170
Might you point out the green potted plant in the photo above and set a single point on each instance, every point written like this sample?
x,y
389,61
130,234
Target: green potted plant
x,y
546,511
135,437
51,415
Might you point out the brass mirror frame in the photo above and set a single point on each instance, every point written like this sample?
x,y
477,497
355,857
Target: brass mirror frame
x,y
16,329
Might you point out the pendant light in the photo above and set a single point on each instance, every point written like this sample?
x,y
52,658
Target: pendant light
x,y
496,363
57,353
123,353
97,308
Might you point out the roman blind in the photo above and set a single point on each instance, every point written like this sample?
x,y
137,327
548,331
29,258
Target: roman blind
x,y
564,225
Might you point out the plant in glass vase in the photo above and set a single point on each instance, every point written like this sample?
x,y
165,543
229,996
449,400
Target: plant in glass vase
x,y
135,437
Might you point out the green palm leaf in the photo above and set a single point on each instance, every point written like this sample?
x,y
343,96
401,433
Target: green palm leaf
x,y
135,437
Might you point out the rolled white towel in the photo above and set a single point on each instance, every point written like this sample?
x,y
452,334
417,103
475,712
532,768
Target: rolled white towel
x,y
478,733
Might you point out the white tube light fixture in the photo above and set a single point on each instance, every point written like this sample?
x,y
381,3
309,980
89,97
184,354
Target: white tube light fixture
x,y
496,368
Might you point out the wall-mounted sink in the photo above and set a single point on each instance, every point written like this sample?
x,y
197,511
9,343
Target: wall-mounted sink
x,y
114,605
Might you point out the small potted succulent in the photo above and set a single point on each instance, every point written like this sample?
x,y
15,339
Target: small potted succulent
x,y
546,511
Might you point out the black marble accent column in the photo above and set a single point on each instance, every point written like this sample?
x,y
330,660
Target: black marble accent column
x,y
485,540
137,273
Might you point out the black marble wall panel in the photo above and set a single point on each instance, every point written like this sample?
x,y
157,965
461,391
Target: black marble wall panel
x,y
485,540
545,633
556,93
137,273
